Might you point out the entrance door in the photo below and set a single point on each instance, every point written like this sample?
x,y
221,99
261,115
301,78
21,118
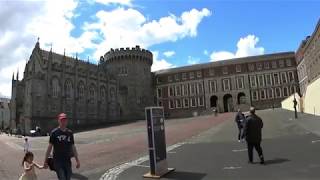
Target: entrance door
x,y
227,103
213,101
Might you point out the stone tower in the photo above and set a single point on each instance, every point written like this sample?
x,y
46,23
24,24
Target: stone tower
x,y
132,69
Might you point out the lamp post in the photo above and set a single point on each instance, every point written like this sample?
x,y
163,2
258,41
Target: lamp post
x,y
294,102
250,95
295,107
272,93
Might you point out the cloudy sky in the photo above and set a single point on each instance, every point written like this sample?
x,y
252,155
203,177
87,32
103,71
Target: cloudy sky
x,y
178,32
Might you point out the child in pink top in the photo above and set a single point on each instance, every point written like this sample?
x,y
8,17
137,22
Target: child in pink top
x,y
28,166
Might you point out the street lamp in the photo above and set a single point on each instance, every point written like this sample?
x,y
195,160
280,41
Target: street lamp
x,y
272,93
294,101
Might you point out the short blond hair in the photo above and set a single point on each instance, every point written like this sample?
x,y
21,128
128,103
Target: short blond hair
x,y
252,110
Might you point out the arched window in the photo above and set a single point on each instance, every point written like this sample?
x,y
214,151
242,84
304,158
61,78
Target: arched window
x,y
292,89
92,94
278,92
55,87
112,93
39,89
81,91
285,92
270,93
68,90
241,98
103,94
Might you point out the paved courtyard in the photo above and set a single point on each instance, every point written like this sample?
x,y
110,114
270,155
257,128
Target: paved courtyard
x,y
102,149
291,148
199,148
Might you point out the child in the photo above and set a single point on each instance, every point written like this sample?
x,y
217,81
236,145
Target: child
x,y
28,165
26,145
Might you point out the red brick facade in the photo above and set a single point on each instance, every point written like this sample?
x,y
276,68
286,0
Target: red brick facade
x,y
262,81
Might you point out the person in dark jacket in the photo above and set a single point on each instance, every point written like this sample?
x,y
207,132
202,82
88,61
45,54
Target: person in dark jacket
x,y
252,133
239,120
62,142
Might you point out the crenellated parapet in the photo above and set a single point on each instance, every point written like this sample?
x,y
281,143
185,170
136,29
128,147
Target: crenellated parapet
x,y
135,53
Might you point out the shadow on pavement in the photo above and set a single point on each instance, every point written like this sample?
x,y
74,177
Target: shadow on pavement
x,y
276,161
79,176
181,175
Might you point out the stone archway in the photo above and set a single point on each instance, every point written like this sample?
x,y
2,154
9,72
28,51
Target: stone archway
x,y
227,103
241,99
213,101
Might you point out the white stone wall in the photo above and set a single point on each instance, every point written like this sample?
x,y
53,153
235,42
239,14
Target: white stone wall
x,y
288,103
312,98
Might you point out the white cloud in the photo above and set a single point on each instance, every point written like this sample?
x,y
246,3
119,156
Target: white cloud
x,y
159,64
15,43
6,77
121,2
191,19
221,55
21,22
128,27
245,47
53,25
192,60
169,53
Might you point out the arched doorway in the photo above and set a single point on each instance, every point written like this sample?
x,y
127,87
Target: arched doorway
x,y
227,103
213,101
241,98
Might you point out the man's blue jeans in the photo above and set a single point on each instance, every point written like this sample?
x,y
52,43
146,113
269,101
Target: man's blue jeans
x,y
63,169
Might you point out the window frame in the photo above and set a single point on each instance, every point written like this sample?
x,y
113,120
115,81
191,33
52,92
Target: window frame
x,y
214,82
171,104
241,78
263,91
253,79
224,84
200,99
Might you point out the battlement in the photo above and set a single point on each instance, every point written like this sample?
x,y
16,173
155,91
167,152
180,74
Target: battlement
x,y
128,53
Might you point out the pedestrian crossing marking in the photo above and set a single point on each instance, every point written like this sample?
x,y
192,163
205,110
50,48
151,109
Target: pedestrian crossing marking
x,y
239,150
315,141
231,167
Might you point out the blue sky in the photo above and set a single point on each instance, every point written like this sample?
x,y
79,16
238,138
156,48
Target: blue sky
x,y
178,32
279,26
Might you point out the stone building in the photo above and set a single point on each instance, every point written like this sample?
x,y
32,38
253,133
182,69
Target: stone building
x,y
4,113
132,67
121,85
262,81
118,88
301,66
308,59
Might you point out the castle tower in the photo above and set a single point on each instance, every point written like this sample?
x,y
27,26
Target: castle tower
x,y
132,69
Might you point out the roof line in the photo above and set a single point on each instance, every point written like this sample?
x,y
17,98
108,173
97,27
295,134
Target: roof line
x,y
229,61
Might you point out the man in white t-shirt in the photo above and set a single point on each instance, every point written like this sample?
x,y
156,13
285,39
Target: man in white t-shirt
x,y
26,145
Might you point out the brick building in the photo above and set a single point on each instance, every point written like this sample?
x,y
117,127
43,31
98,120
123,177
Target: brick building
x,y
121,85
308,59
262,81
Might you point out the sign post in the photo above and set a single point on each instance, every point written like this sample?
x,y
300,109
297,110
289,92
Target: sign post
x,y
156,143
